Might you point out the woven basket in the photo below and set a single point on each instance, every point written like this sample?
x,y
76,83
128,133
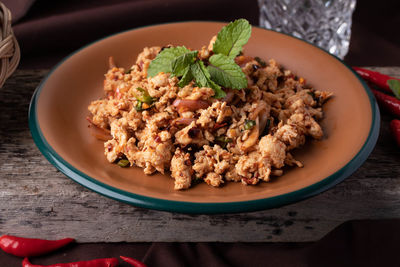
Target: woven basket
x,y
9,48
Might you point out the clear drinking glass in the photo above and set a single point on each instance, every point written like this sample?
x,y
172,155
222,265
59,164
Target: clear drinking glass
x,y
325,23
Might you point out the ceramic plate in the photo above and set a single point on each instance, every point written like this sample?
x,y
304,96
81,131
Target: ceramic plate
x,y
59,128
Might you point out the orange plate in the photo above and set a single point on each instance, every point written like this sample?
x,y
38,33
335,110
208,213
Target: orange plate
x,y
60,130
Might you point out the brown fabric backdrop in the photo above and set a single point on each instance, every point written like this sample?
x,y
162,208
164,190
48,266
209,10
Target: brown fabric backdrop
x,y
49,30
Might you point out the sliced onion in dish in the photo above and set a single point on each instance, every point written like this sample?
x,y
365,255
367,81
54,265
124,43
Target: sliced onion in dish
x,y
190,105
229,96
97,132
252,138
262,106
183,121
262,116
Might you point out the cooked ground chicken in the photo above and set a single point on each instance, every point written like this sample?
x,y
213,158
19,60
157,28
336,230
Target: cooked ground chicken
x,y
247,137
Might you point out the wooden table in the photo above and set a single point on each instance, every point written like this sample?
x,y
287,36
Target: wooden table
x,y
36,200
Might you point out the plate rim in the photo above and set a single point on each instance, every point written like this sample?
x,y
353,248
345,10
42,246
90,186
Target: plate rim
x,y
200,207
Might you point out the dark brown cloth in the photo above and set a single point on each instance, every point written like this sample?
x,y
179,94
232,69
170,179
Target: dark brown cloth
x,y
50,30
354,243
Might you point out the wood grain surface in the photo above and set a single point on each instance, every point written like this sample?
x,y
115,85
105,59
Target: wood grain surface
x,y
36,200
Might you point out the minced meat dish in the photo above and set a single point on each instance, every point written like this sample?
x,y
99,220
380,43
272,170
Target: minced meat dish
x,y
246,136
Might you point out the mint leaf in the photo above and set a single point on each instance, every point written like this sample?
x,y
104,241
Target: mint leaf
x,y
186,78
203,78
232,37
180,64
225,72
200,74
394,85
219,93
163,61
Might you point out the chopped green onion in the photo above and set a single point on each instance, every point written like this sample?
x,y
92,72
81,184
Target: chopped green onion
x,y
249,124
128,71
223,140
123,163
144,97
138,106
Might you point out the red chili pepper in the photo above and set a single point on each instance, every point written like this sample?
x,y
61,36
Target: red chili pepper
x,y
395,129
105,262
390,103
376,78
26,247
133,262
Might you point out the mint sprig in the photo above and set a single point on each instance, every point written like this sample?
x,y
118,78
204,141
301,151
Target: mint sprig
x,y
219,70
232,38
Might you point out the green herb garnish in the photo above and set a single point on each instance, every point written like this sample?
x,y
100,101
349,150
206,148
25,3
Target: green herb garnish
x,y
226,72
144,97
187,77
232,38
223,140
249,124
163,61
394,85
219,71
203,78
139,105
123,163
181,64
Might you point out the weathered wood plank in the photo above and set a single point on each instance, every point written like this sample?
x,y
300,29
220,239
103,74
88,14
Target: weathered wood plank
x,y
38,200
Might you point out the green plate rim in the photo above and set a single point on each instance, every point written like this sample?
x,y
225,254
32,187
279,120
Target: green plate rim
x,y
195,207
